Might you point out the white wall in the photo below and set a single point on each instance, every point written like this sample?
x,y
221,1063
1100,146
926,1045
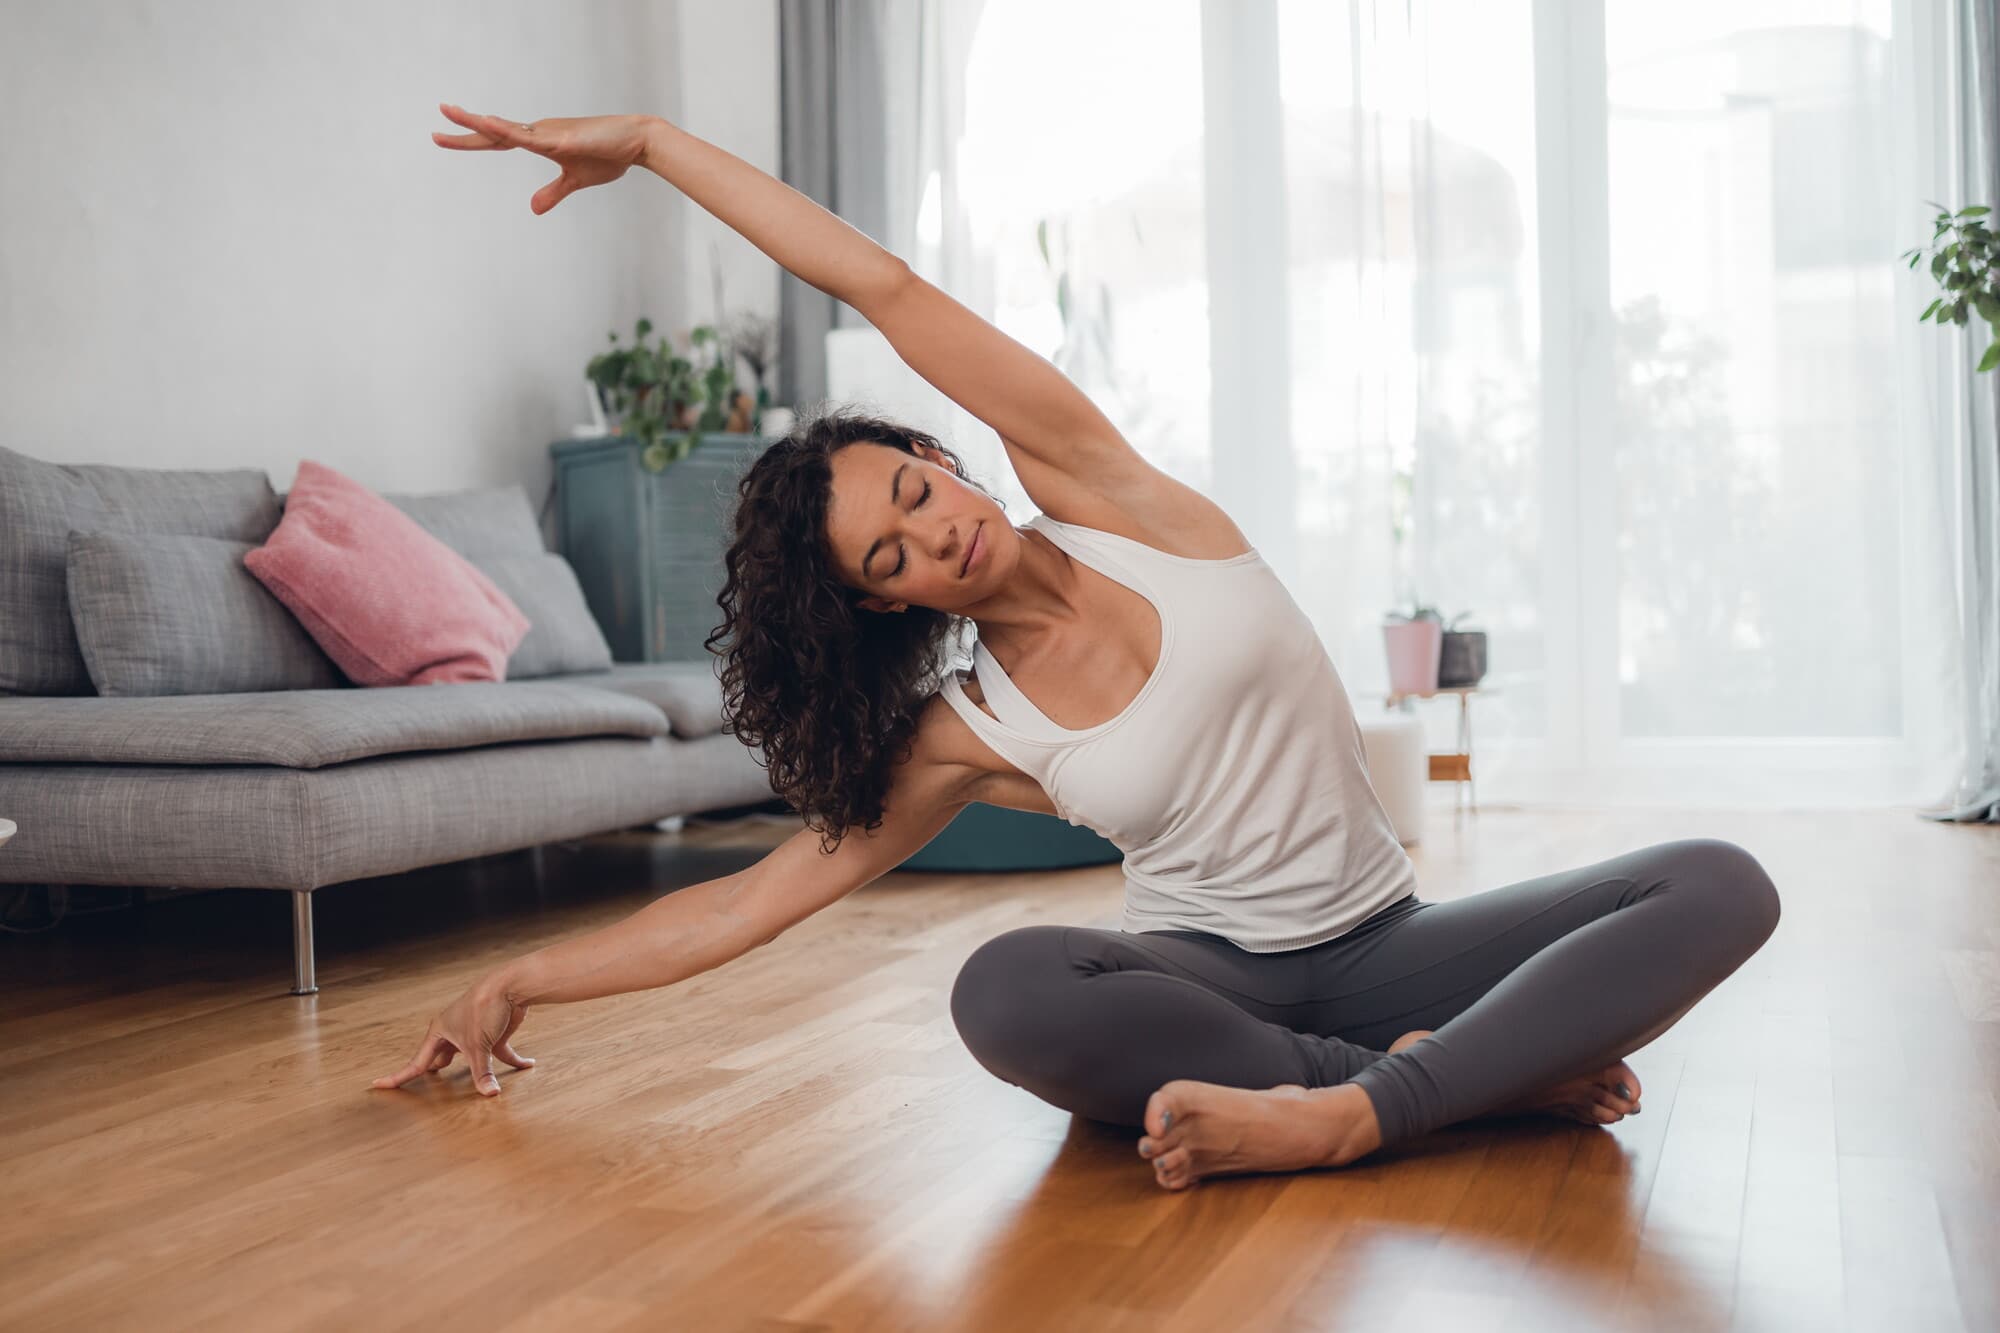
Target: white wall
x,y
226,238
728,96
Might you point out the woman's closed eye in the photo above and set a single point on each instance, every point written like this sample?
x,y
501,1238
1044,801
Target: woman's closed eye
x,y
903,556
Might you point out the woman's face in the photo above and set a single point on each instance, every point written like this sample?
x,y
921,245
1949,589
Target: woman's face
x,y
902,525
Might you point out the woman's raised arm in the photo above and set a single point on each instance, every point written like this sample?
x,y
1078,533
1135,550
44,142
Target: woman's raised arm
x,y
1046,422
793,230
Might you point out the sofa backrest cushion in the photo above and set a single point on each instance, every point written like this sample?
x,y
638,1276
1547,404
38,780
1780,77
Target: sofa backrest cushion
x,y
563,636
162,613
41,503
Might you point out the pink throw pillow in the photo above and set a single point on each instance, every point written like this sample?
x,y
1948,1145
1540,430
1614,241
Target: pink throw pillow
x,y
390,603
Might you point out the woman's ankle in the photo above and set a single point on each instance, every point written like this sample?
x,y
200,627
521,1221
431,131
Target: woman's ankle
x,y
1356,1131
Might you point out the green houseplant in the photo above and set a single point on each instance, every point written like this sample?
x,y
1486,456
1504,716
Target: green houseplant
x,y
664,400
1962,253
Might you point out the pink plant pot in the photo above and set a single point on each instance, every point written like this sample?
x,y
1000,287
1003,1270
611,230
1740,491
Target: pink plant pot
x,y
1414,649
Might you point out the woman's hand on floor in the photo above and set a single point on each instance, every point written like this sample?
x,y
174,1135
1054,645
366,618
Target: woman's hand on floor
x,y
480,1024
591,150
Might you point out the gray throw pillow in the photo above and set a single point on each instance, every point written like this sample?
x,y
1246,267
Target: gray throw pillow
x,y
42,503
163,614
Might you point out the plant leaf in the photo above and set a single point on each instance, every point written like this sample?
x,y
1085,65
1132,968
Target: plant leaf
x,y
1930,310
1939,263
1992,357
1976,211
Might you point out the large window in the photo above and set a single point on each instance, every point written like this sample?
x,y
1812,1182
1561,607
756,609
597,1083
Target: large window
x,y
1753,309
1589,312
1083,181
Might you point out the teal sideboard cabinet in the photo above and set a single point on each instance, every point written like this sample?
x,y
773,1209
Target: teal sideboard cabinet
x,y
647,546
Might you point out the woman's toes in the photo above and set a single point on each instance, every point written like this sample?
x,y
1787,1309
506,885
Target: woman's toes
x,y
1172,1169
1620,1079
1617,1101
1169,1108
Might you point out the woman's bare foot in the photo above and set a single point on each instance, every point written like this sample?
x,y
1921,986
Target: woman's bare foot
x,y
1590,1099
1204,1129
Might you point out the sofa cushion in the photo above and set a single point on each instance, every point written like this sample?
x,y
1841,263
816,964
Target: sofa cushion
x,y
480,520
160,613
689,693
314,728
391,604
40,503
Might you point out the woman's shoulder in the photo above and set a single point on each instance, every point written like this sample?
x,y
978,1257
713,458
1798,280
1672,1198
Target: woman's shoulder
x,y
943,736
979,772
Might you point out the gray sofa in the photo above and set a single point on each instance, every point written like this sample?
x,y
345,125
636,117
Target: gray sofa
x,y
164,720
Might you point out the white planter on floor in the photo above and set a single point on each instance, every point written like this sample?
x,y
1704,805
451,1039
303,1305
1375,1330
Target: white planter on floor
x,y
1399,766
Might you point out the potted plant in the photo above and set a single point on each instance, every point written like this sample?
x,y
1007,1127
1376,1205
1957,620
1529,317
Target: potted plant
x,y
1414,640
1461,655
754,337
662,399
1963,251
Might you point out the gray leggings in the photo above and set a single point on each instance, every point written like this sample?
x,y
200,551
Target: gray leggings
x,y
1525,986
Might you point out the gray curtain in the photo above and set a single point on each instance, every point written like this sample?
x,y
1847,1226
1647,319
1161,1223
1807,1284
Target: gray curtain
x,y
833,147
1977,797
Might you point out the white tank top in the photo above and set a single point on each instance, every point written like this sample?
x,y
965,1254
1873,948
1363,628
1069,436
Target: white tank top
x,y
1234,782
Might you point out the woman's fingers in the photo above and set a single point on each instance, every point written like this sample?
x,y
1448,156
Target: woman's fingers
x,y
551,194
484,1081
474,142
499,130
420,1064
505,1050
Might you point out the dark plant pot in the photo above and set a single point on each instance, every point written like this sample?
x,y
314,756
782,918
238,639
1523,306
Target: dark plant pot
x,y
1463,658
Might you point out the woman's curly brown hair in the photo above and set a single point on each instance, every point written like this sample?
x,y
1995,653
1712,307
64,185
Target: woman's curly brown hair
x,y
828,690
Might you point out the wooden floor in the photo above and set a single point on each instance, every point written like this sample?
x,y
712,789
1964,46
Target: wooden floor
x,y
799,1141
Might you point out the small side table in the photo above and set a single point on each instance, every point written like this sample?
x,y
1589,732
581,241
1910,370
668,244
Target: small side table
x,y
1453,766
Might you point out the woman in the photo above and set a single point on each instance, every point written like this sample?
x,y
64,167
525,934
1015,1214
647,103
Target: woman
x,y
1278,996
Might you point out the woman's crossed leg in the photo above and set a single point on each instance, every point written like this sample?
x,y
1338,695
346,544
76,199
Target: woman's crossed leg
x,y
1236,1061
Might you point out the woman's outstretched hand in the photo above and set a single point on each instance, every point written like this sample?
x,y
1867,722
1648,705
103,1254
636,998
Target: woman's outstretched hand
x,y
480,1024
591,150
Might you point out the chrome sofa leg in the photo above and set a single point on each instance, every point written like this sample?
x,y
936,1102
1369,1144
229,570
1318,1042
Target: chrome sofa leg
x,y
303,982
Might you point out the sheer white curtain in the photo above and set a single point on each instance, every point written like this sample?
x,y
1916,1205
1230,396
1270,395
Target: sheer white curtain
x,y
1582,319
